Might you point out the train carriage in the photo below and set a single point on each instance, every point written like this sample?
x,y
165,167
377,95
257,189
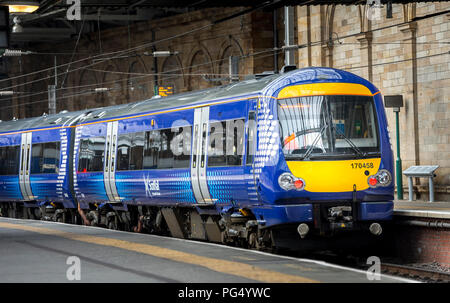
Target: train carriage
x,y
305,152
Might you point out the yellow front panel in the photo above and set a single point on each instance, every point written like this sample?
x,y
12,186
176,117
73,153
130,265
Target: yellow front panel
x,y
320,89
334,176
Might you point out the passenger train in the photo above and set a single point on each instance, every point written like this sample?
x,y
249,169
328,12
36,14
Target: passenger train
x,y
266,162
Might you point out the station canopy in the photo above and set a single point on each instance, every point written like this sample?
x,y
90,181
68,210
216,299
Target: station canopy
x,y
48,23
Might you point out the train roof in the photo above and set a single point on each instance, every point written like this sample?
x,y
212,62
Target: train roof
x,y
62,118
265,84
242,88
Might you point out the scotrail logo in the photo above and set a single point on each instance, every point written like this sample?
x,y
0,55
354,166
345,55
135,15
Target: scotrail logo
x,y
151,187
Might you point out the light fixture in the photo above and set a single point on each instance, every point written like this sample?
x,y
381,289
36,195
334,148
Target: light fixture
x,y
161,53
21,7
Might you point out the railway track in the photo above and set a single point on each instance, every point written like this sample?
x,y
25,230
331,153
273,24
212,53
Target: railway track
x,y
423,274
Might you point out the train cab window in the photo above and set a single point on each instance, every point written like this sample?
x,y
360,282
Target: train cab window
x,y
226,143
92,153
251,137
45,158
9,160
325,127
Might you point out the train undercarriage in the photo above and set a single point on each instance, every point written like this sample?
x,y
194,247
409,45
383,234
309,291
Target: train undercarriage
x,y
237,227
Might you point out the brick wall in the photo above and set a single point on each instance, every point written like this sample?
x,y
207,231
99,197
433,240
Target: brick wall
x,y
400,57
415,244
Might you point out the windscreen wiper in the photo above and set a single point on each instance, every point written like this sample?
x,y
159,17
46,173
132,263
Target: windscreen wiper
x,y
311,147
350,142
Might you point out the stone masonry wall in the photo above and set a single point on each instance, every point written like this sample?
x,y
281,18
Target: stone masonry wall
x,y
400,56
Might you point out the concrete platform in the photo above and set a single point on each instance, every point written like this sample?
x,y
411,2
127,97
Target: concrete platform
x,y
37,251
439,210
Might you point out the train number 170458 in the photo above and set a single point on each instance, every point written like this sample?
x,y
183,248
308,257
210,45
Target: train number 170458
x,y
362,165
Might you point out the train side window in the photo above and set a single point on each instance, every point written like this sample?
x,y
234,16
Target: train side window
x,y
92,153
9,160
181,146
137,150
45,158
165,157
152,147
159,147
226,143
36,158
123,152
217,144
51,156
251,137
235,141
3,160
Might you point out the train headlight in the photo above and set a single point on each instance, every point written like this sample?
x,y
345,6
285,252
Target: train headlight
x,y
384,177
287,181
381,178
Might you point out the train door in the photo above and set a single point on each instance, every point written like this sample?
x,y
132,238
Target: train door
x,y
199,155
109,171
225,166
250,150
24,168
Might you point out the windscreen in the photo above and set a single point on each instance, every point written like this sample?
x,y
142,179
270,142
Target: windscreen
x,y
328,126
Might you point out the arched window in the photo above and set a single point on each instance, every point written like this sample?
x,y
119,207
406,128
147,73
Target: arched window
x,y
84,95
138,84
37,103
172,75
224,65
200,65
112,81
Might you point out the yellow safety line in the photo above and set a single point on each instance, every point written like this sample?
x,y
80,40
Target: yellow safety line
x,y
227,267
406,207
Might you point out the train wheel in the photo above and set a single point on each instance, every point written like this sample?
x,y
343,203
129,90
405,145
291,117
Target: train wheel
x,y
12,210
113,223
253,241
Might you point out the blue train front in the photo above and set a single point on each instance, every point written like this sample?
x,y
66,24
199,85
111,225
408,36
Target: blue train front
x,y
262,163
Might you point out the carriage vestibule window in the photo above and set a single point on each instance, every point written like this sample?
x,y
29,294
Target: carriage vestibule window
x,y
45,158
92,153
